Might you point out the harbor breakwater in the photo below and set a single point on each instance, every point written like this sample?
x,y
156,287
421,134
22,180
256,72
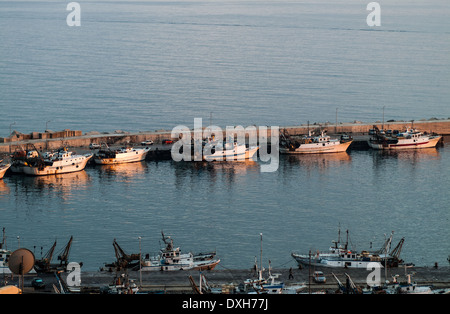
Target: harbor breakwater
x,y
44,141
178,282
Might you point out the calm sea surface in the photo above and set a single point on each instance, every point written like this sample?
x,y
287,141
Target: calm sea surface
x,y
147,65
225,206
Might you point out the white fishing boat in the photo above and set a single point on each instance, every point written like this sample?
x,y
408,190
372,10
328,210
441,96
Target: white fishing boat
x,y
410,139
4,256
342,256
266,285
24,158
406,287
270,285
108,156
121,285
228,151
3,169
171,259
310,144
63,161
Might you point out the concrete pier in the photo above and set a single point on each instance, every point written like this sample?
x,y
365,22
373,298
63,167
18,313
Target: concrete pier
x,y
356,129
178,281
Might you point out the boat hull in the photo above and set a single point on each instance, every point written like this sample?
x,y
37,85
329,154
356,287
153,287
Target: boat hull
x,y
317,148
17,168
406,144
239,153
306,260
204,265
133,156
65,166
3,170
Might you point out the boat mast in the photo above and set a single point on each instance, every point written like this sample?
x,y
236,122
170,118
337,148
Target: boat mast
x,y
346,243
339,235
3,239
63,257
260,260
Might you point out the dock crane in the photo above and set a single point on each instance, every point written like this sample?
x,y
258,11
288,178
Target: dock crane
x,y
45,265
395,253
124,260
349,287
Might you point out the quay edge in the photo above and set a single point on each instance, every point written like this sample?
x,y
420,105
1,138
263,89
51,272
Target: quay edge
x,y
7,145
178,281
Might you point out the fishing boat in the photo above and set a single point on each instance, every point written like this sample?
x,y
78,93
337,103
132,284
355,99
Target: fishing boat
x,y
124,260
228,151
121,285
108,156
171,259
4,256
62,161
407,287
24,158
342,256
310,144
3,169
270,285
409,139
261,285
266,285
45,265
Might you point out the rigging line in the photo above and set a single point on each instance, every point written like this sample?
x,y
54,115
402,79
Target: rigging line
x,y
231,272
228,269
289,261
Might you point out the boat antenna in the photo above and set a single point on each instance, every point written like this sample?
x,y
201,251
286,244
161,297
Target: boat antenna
x,y
3,239
339,233
346,243
260,260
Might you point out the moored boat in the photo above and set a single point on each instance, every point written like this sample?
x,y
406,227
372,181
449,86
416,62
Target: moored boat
x,y
63,161
409,139
310,144
3,169
24,158
228,151
342,256
4,256
121,285
45,265
108,156
171,259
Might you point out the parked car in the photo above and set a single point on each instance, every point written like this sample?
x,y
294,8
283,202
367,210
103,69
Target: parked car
x,y
148,142
94,146
167,142
319,277
345,137
38,283
371,132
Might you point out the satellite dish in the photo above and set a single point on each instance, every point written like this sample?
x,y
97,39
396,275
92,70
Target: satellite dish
x,y
21,261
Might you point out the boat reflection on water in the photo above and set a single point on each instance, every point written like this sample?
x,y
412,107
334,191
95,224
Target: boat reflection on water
x,y
4,188
213,168
316,161
413,155
217,171
126,172
124,169
64,181
63,184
